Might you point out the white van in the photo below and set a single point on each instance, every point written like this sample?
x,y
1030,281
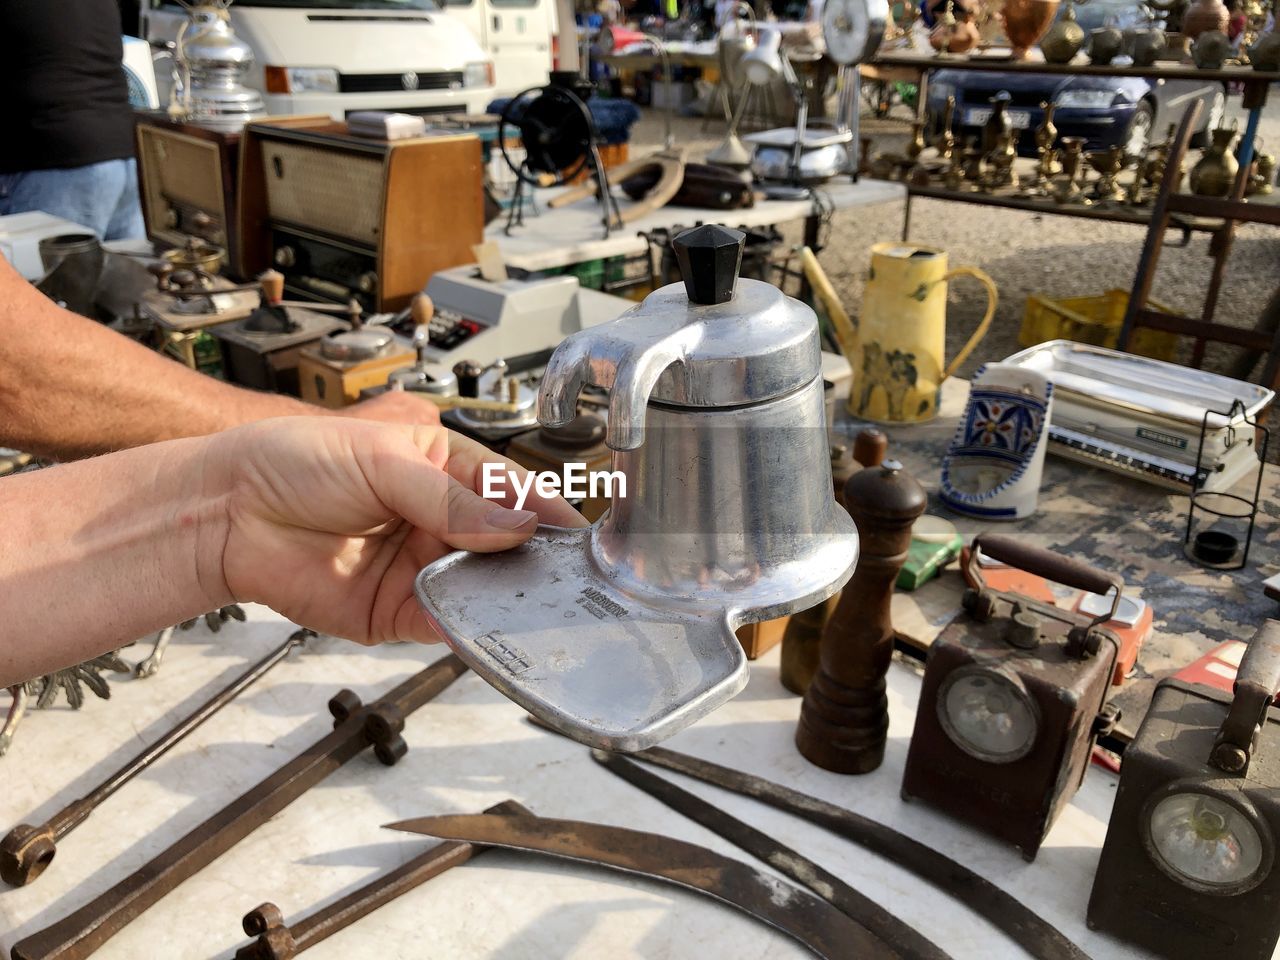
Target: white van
x,y
517,35
339,56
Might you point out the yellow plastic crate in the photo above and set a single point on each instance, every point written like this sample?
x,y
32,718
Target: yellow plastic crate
x,y
1095,320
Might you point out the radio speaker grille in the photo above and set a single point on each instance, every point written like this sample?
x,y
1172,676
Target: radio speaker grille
x,y
179,168
338,193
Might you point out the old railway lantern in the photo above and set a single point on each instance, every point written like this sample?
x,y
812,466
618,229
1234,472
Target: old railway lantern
x,y
1188,867
1013,700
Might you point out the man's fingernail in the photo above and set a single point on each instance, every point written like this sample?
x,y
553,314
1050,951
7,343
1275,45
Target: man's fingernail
x,y
505,519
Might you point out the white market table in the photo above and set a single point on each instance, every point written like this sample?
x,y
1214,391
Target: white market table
x,y
575,233
468,749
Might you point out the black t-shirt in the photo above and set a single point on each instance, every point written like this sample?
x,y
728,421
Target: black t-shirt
x,y
64,100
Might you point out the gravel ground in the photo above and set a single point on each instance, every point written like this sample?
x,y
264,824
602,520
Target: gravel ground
x,y
1025,252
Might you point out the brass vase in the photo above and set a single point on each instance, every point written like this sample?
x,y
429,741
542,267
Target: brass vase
x,y
1210,50
1108,163
1205,15
1216,170
1265,54
1105,43
1148,45
1065,37
1025,22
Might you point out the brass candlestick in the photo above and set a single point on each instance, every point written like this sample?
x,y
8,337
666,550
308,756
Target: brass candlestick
x,y
1066,188
915,146
1001,159
972,162
1135,196
946,143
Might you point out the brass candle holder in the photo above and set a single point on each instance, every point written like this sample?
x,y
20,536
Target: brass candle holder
x,y
946,142
1066,187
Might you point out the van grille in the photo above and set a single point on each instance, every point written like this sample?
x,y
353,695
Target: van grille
x,y
386,82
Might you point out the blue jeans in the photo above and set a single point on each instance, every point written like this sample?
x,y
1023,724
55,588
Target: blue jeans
x,y
102,196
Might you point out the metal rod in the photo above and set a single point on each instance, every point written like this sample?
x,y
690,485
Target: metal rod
x,y
900,938
26,851
275,941
356,726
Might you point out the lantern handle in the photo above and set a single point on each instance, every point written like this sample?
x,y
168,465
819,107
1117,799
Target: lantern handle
x,y
1255,689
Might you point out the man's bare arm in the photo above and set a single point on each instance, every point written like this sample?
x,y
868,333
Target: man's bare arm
x,y
70,387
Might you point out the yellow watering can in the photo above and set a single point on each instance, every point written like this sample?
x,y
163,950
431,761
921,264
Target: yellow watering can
x,y
897,347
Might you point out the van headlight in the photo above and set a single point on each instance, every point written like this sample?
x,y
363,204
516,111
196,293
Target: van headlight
x,y
478,74
301,80
1085,99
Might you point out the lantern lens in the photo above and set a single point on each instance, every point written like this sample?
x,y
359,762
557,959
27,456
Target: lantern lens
x,y
1205,840
987,715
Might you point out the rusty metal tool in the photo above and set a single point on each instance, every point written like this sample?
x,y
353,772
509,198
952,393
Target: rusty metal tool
x,y
799,914
26,851
355,727
275,941
902,939
1005,912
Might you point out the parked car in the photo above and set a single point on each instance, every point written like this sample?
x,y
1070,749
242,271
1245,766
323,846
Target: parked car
x,y
339,56
1106,111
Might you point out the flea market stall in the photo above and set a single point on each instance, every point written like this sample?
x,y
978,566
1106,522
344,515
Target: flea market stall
x,y
474,515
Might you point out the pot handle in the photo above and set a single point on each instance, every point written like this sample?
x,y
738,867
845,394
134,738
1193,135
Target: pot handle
x,y
992,299
1255,689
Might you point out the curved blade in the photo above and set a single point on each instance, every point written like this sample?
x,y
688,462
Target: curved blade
x,y
1033,933
803,917
904,941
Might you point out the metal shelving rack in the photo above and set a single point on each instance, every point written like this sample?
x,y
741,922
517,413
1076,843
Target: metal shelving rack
x,y
916,66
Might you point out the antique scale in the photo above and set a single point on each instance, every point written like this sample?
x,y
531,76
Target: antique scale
x,y
189,299
622,633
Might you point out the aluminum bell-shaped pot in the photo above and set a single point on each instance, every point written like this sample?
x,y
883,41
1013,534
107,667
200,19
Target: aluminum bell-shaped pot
x,y
622,633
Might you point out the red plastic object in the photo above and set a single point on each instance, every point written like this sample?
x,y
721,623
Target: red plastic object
x,y
1217,668
1007,579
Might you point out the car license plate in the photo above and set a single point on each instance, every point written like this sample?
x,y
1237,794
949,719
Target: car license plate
x,y
978,116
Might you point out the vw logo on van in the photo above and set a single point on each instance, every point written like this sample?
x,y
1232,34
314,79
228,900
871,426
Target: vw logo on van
x,y
409,81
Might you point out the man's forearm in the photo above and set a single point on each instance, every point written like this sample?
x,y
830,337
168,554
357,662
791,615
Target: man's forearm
x,y
70,387
99,553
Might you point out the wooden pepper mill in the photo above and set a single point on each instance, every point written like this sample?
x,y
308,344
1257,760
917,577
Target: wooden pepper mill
x,y
844,720
803,635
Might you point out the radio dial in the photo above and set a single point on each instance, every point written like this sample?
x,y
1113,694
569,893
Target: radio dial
x,y
170,217
286,257
368,282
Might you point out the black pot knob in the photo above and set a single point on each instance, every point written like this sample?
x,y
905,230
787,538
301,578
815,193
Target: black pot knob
x,y
709,257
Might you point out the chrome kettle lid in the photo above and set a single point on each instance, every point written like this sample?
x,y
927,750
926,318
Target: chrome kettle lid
x,y
713,341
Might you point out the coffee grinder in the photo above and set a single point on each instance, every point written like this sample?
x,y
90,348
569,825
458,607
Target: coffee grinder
x,y
622,633
262,350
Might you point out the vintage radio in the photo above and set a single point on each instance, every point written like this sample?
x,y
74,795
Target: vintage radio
x,y
187,181
1014,698
1188,866
350,217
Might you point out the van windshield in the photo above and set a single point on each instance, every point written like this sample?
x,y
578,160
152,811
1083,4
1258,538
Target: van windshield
x,y
344,4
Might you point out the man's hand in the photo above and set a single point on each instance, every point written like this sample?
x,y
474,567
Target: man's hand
x,y
329,520
396,406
